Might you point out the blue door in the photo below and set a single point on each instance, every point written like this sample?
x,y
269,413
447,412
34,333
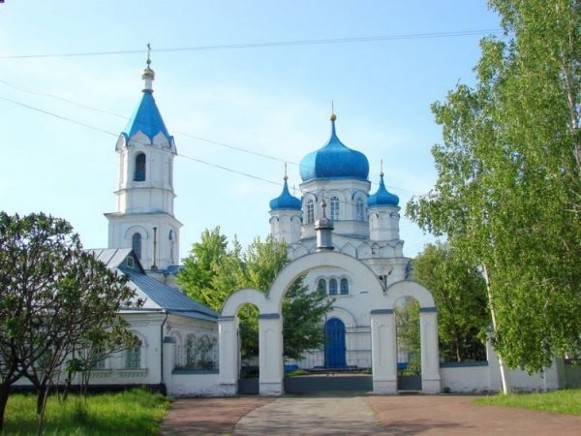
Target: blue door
x,y
335,344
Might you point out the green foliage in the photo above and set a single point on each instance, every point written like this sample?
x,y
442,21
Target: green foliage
x,y
507,194
134,412
459,292
52,296
407,318
213,272
567,401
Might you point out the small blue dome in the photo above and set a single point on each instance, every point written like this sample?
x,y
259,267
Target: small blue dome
x,y
334,161
382,197
285,200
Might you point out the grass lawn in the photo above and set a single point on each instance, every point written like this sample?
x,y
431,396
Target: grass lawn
x,y
134,412
566,401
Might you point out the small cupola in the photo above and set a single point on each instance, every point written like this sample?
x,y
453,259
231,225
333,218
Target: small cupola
x,y
382,198
285,201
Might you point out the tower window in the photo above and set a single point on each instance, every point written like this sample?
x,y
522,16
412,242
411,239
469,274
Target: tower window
x,y
334,209
344,287
139,175
359,209
333,287
310,212
136,245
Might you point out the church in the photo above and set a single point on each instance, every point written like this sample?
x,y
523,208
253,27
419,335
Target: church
x,y
342,239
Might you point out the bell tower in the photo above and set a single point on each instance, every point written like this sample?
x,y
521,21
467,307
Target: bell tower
x,y
145,219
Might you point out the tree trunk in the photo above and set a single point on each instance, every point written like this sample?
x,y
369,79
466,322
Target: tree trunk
x,y
4,393
41,406
502,366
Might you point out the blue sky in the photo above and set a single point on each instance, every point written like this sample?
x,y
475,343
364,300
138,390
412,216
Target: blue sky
x,y
272,100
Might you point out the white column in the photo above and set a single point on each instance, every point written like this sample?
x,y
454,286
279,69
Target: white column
x,y
270,358
430,351
169,353
383,351
229,354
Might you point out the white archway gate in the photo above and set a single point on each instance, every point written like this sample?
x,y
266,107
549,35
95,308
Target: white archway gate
x,y
383,327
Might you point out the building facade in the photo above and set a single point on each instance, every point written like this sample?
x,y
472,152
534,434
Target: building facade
x,y
336,187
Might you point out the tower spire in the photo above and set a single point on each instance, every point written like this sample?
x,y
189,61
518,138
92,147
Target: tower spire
x,y
148,74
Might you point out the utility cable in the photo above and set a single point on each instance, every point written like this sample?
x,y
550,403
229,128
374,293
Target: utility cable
x,y
289,43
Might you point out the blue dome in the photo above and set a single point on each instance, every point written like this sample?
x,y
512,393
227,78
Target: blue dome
x,y
285,200
382,197
334,161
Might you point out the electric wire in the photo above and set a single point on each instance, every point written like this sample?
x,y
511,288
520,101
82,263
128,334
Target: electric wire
x,y
289,43
191,158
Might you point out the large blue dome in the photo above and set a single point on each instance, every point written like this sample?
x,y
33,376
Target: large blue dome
x,y
285,200
382,198
334,161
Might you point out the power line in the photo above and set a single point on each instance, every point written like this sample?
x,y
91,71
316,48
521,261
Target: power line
x,y
188,135
192,158
289,43
107,132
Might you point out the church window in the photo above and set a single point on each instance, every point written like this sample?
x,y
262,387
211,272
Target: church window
x,y
344,287
139,175
334,209
322,286
136,245
133,357
333,287
360,209
310,212
171,238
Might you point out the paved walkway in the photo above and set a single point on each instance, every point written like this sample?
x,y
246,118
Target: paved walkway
x,y
343,415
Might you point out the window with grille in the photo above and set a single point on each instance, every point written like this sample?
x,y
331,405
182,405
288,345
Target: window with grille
x,y
360,209
344,286
136,245
333,287
310,212
133,357
334,209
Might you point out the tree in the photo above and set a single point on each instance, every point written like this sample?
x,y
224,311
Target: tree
x,y
459,292
507,194
213,272
52,294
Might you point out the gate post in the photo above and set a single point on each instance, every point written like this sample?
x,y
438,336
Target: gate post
x,y
383,351
430,351
229,353
270,354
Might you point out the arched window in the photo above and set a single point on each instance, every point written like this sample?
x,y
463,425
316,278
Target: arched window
x,y
136,245
333,287
344,287
322,286
171,238
359,209
310,212
334,209
139,175
133,357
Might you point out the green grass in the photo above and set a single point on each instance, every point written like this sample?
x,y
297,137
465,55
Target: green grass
x,y
566,401
134,412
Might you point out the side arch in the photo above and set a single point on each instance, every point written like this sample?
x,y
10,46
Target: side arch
x,y
407,288
242,297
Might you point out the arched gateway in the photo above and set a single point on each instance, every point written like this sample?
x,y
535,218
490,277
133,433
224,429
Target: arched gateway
x,y
383,326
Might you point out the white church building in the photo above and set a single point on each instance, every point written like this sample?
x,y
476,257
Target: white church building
x,y
343,239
